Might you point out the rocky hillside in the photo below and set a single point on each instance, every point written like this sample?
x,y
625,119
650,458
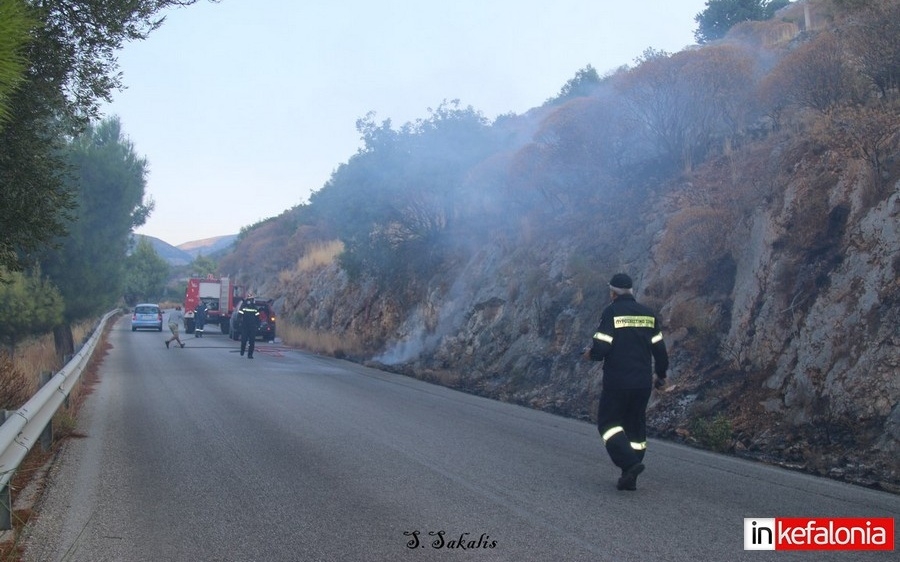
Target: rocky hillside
x,y
771,250
789,341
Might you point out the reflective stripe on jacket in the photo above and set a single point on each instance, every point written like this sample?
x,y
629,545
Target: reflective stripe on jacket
x,y
629,341
249,317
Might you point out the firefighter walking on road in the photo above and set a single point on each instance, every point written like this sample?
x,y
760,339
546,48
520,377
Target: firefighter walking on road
x,y
249,324
629,341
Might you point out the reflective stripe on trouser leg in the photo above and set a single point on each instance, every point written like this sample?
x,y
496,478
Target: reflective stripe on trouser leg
x,y
619,447
640,448
607,435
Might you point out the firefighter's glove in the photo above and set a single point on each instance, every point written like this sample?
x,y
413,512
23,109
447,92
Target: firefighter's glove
x,y
586,352
660,383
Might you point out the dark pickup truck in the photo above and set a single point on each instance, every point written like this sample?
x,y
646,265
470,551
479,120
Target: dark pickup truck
x,y
266,330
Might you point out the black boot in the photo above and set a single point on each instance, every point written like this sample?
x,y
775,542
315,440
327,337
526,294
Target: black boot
x,y
628,480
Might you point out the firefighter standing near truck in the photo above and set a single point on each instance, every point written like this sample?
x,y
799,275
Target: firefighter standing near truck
x,y
629,341
249,324
200,319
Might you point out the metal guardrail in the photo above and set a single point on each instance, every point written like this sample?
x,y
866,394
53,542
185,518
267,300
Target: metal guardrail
x,y
24,427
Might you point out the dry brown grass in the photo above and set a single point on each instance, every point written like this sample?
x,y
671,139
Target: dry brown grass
x,y
17,385
324,343
20,372
318,254
19,379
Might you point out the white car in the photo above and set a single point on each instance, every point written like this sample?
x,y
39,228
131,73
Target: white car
x,y
147,316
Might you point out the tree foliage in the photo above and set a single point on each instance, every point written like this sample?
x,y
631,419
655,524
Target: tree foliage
x,y
35,203
109,180
73,56
203,266
15,29
394,200
29,305
721,15
70,69
146,274
583,83
873,39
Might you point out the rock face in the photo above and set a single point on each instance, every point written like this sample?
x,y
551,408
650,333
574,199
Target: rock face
x,y
817,325
781,314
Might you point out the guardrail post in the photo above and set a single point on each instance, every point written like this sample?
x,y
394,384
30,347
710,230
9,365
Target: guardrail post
x,y
5,509
5,494
47,434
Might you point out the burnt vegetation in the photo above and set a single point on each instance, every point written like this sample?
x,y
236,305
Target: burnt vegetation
x,y
657,166
415,196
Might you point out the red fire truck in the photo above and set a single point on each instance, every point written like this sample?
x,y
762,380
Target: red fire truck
x,y
220,294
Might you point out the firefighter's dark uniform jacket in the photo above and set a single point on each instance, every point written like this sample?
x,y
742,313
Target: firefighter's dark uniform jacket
x,y
628,335
249,317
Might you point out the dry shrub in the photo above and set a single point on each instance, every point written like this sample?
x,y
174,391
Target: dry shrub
x,y
806,227
697,235
20,373
64,421
444,377
16,385
326,343
697,317
82,332
319,254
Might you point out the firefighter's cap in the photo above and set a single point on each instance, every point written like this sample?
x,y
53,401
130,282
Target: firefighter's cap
x,y
620,281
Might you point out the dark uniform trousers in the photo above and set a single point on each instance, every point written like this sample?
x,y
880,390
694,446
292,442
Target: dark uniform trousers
x,y
249,326
248,336
622,422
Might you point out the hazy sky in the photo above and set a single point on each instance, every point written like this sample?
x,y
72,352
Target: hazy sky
x,y
245,107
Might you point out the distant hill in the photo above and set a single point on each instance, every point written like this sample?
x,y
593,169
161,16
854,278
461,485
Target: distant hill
x,y
185,253
208,246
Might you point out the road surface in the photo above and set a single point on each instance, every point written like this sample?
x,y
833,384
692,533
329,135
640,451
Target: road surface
x,y
199,454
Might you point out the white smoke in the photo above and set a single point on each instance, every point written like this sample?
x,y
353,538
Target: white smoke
x,y
417,340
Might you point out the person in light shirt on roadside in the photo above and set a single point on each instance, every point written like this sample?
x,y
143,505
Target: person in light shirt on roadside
x,y
176,319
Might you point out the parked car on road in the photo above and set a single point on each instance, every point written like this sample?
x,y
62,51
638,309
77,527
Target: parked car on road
x,y
266,330
147,316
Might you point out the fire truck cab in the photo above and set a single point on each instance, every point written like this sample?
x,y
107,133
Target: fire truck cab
x,y
220,294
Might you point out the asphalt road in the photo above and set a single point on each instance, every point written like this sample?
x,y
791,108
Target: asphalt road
x,y
198,454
